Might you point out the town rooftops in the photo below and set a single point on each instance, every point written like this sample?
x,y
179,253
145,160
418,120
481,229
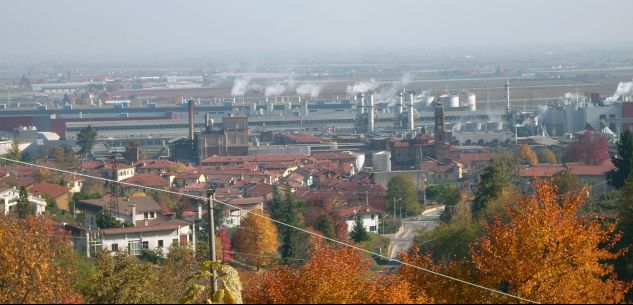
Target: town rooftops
x,y
588,170
256,158
143,204
140,228
542,170
148,180
356,210
45,188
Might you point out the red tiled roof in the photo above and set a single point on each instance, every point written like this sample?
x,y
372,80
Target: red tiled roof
x,y
545,170
356,210
333,156
45,188
301,138
246,201
155,164
188,175
148,180
257,158
588,170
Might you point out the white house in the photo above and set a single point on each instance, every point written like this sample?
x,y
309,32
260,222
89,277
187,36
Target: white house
x,y
151,227
370,217
162,235
9,198
233,216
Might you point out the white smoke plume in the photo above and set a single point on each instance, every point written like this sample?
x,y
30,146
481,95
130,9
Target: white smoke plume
x,y
276,89
240,85
309,89
362,87
624,88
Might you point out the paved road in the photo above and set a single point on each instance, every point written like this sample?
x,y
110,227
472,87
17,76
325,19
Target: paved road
x,y
404,241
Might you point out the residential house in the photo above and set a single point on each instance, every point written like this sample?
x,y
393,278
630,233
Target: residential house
x,y
186,178
9,198
593,175
152,180
441,172
57,193
239,209
370,217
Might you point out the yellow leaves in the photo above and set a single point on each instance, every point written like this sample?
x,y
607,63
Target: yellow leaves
x,y
526,155
547,253
30,269
257,237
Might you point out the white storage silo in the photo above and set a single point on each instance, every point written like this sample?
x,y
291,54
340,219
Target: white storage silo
x,y
472,102
453,101
381,161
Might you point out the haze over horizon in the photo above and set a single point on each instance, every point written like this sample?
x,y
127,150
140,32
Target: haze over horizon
x,y
81,30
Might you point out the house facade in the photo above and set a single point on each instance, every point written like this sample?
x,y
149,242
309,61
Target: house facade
x,y
370,217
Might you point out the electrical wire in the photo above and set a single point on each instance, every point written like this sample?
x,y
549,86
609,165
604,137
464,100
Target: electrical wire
x,y
283,224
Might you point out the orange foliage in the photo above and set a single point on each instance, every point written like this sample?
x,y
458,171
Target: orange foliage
x,y
526,155
30,269
547,253
331,275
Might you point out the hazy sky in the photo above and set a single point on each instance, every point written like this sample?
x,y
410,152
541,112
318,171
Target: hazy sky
x,y
114,28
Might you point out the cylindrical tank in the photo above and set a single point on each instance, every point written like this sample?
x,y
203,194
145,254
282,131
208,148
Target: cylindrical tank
x,y
478,126
472,102
381,161
535,121
253,109
453,101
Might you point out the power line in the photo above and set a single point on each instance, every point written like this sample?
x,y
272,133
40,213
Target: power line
x,y
283,224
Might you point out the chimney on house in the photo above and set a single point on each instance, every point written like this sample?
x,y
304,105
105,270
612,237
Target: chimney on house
x,y
133,214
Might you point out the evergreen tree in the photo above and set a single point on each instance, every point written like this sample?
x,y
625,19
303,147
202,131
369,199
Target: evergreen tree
x,y
495,177
23,207
86,139
624,264
63,182
325,225
623,161
295,244
359,234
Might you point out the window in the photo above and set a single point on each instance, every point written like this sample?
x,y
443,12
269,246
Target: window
x,y
115,247
145,245
145,215
373,216
160,243
134,247
152,215
372,229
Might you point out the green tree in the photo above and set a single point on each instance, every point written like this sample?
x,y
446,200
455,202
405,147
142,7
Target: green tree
x,y
446,194
451,240
623,161
63,182
359,233
498,175
567,182
123,279
106,220
325,225
294,243
130,150
624,264
86,139
23,207
402,190
547,156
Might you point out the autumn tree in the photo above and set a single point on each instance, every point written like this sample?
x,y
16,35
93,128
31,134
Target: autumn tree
x,y
175,276
123,279
331,275
567,182
257,237
359,233
526,156
31,268
402,189
623,160
547,156
325,225
63,156
590,148
547,253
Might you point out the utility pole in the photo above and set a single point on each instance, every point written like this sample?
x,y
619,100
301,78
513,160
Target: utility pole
x,y
211,196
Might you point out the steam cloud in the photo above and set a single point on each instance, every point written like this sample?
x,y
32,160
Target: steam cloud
x,y
362,87
624,88
276,89
243,85
309,89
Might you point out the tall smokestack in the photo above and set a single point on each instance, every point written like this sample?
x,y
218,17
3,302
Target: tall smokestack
x,y
207,123
191,123
411,118
400,103
370,115
508,96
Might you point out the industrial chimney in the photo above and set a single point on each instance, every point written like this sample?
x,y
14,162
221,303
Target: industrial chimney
x,y
370,115
191,123
411,118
